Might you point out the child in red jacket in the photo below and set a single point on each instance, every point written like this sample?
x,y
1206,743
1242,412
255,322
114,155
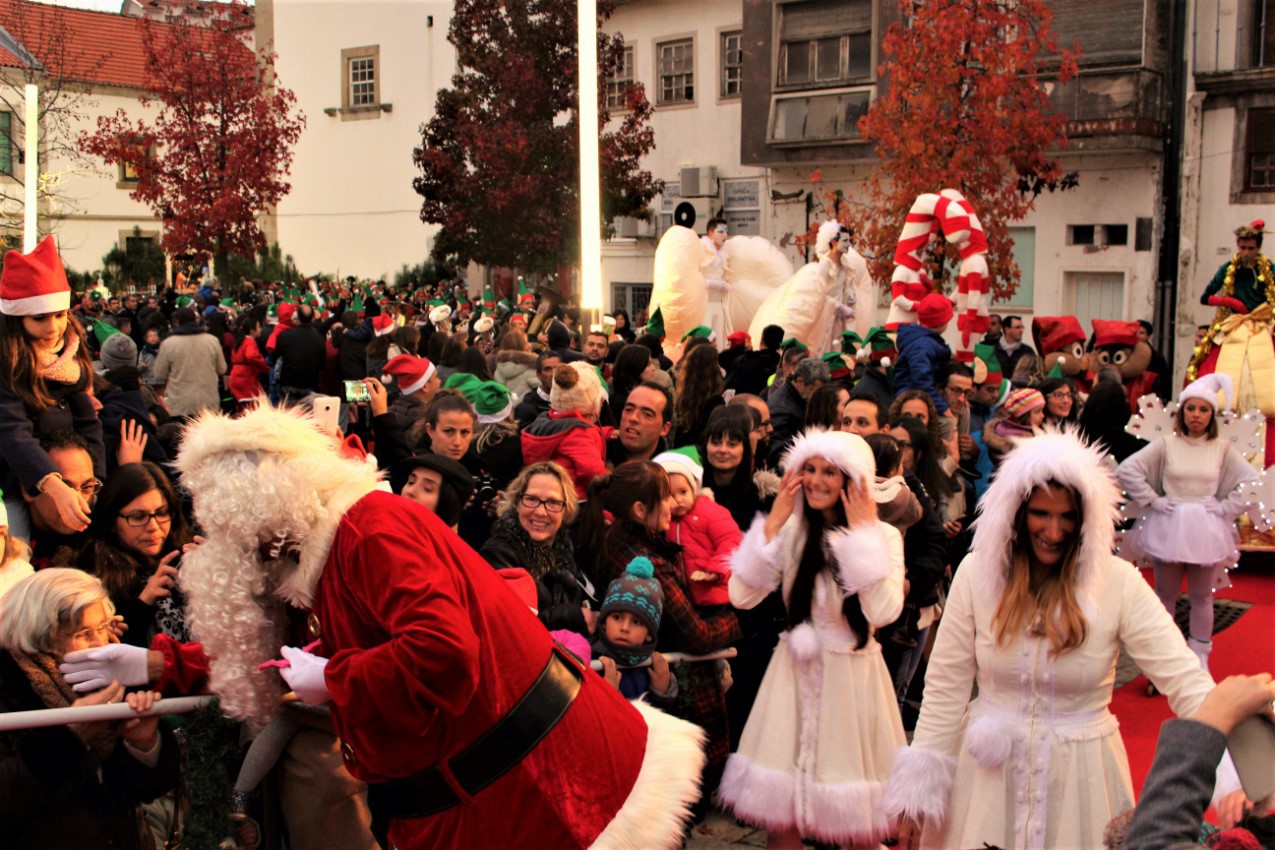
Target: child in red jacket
x,y
704,529
568,432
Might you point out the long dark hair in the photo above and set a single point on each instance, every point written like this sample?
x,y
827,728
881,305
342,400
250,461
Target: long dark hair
x,y
118,568
701,379
630,363
822,409
733,420
474,362
814,560
247,322
615,493
938,485
20,368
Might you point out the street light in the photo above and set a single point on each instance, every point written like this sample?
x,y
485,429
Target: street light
x,y
590,189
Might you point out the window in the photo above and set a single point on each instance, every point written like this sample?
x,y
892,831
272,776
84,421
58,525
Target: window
x,y
1259,170
1093,295
620,83
1263,33
6,144
819,117
1025,255
732,62
668,200
361,75
741,206
1081,234
825,43
633,297
676,71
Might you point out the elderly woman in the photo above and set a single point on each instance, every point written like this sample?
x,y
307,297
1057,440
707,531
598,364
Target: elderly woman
x,y
79,785
529,533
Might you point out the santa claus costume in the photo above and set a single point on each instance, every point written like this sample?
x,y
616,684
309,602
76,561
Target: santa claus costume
x,y
471,726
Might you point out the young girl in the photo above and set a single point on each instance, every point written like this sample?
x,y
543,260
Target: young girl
x,y
704,529
817,747
1187,483
1022,414
248,366
44,386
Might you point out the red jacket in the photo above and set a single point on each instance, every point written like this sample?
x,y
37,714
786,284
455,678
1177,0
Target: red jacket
x,y
246,368
708,535
429,649
569,440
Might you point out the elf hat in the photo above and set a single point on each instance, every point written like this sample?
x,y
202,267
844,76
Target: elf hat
x,y
518,319
793,342
638,593
383,324
738,339
838,366
409,371
1208,388
272,314
524,294
934,311
685,462
702,332
104,330
490,399
1108,332
182,301
655,325
1054,333
880,345
1022,401
34,284
851,342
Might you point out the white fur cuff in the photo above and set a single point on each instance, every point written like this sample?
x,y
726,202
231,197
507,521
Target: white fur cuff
x,y
756,562
920,786
862,554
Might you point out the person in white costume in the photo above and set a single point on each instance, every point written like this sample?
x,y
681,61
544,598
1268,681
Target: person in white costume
x,y
832,294
1036,617
1188,484
818,744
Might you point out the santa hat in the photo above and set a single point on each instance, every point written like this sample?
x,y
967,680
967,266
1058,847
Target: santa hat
x,y
383,324
490,399
1022,401
934,311
34,284
1208,388
701,332
1054,333
738,339
409,371
685,462
522,584
576,386
1109,332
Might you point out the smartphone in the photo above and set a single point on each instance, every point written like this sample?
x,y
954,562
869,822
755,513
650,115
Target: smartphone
x,y
325,409
357,391
1252,746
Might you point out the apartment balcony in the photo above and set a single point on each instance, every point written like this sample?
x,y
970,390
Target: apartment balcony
x,y
1112,108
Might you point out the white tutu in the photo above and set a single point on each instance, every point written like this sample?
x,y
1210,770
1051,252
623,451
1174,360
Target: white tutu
x,y
1189,535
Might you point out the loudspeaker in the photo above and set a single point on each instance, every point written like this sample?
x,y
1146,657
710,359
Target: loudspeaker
x,y
685,214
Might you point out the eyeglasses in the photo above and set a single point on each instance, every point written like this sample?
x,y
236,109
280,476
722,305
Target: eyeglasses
x,y
163,516
531,503
89,488
957,391
104,630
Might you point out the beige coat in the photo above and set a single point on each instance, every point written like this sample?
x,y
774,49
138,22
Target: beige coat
x,y
190,365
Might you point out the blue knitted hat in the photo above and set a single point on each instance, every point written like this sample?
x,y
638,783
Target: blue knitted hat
x,y
637,592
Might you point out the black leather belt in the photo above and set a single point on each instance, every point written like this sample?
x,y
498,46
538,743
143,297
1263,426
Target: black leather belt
x,y
491,756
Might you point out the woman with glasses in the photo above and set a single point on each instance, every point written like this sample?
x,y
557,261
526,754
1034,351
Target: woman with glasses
x,y
529,533
77,785
1061,404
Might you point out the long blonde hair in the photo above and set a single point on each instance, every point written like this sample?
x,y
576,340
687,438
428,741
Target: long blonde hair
x,y
1054,605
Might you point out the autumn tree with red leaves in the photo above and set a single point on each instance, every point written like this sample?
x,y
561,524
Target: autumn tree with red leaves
x,y
965,108
500,160
217,154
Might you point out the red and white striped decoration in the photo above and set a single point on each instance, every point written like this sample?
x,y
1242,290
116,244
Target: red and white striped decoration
x,y
910,283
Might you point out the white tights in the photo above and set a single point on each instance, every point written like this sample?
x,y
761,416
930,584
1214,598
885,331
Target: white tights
x,y
1199,588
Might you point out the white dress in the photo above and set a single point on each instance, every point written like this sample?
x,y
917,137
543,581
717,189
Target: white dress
x,y
1036,760
1197,474
821,736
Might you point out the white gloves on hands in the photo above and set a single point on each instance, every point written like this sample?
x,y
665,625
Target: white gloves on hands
x,y
845,311
1163,504
93,669
305,675
1214,507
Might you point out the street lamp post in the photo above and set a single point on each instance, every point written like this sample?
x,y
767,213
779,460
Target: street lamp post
x,y
590,189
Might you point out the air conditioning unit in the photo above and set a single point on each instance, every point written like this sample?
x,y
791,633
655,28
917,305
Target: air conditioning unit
x,y
699,181
626,227
694,212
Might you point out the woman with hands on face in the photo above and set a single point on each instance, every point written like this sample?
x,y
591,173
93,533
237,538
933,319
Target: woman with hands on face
x,y
813,766
78,785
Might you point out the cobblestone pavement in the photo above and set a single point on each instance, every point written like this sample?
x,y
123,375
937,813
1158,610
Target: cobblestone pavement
x,y
720,831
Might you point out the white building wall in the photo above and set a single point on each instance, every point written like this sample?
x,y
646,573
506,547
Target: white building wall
x,y
352,208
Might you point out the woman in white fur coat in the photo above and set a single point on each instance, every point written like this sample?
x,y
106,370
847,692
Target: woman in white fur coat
x,y
1037,615
820,739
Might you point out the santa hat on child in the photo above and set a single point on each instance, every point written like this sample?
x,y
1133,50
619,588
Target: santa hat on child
x,y
685,462
34,284
383,324
409,371
934,311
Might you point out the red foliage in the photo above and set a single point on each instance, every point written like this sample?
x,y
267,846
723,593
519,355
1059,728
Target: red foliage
x,y
217,153
964,108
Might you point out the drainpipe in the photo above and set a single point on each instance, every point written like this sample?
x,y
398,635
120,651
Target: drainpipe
x,y
1166,289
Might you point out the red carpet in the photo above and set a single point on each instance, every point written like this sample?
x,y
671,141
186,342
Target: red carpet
x,y
1245,647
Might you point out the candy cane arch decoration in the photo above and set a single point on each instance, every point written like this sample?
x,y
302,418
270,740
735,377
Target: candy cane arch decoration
x,y
947,212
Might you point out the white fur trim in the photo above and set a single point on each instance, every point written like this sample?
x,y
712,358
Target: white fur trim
x,y
862,554
1053,455
803,643
920,786
418,383
36,305
827,232
660,801
498,416
989,740
842,813
1207,389
755,562
848,451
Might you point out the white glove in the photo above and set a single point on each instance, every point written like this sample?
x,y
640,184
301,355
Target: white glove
x,y
845,311
1163,504
1214,507
305,675
904,303
93,669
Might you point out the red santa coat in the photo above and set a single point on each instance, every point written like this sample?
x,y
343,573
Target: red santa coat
x,y
429,649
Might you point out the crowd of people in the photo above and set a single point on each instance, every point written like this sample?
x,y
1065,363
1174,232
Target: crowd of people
x,y
776,545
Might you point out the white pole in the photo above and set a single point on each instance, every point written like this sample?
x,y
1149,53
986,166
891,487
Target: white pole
x,y
590,188
89,713
32,173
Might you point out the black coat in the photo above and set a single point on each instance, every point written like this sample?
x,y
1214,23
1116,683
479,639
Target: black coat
x,y
752,371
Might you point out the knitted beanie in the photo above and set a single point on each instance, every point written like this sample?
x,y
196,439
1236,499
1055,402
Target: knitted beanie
x,y
576,386
118,350
638,593
1022,401
934,311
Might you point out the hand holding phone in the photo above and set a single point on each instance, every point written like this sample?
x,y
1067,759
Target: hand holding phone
x,y
357,392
